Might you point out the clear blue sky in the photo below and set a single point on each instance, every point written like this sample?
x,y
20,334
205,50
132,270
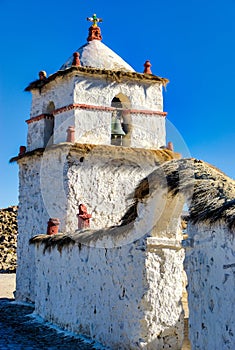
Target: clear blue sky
x,y
190,42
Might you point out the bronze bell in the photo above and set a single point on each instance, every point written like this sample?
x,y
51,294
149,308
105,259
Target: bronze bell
x,y
116,127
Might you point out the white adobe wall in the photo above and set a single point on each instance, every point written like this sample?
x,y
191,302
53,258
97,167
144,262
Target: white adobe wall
x,y
32,218
104,179
97,92
35,135
55,183
91,126
126,297
94,126
100,92
40,182
59,91
148,131
210,267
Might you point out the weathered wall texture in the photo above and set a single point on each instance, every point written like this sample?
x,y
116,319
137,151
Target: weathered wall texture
x,y
210,267
94,125
122,291
59,92
54,183
97,92
29,224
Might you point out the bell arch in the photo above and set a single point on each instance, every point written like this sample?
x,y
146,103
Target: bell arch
x,y
121,121
49,123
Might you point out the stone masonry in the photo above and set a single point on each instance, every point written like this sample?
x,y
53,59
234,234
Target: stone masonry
x,y
8,239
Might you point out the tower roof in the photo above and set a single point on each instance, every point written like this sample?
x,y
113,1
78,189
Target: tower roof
x,y
97,59
97,55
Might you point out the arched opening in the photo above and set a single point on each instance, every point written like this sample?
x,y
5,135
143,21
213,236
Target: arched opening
x,y
49,124
50,107
121,121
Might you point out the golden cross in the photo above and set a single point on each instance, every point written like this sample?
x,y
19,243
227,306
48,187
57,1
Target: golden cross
x,y
94,19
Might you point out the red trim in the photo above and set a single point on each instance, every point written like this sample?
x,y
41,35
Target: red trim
x,y
39,117
144,111
91,107
81,106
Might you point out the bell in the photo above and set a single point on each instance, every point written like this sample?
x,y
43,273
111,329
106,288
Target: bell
x,y
116,127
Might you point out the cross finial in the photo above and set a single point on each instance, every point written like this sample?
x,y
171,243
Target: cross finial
x,y
95,20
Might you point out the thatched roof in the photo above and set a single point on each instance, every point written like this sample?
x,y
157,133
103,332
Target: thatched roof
x,y
84,237
209,192
127,153
113,75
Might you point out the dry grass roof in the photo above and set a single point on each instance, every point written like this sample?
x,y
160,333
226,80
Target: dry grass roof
x,y
209,192
112,75
127,153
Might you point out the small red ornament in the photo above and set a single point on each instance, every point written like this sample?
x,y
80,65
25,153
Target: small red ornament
x,y
53,226
76,60
147,66
71,134
83,217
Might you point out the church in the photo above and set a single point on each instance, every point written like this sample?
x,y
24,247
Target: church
x,y
101,194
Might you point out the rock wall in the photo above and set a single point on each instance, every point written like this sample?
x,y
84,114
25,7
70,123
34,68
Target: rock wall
x,y
122,285
210,267
8,239
85,102
54,183
126,297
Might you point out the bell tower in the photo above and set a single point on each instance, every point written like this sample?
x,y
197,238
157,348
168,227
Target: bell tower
x,y
91,88
96,128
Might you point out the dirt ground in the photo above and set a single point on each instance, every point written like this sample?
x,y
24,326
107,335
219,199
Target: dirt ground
x,y
7,285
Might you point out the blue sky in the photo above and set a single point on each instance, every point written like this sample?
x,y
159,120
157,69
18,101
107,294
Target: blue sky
x,y
190,42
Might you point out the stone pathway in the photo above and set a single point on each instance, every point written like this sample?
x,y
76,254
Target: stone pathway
x,y
19,331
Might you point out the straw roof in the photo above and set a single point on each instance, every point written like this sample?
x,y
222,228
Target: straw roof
x,y
113,75
210,194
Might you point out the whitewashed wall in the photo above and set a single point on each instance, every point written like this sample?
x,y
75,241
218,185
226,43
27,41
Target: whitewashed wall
x,y
148,131
40,197
104,179
94,126
60,92
127,296
54,183
210,267
32,218
96,91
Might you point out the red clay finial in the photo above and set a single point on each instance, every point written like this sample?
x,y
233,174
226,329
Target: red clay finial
x,y
94,34
170,146
94,30
53,226
22,151
83,217
42,75
71,134
147,66
76,60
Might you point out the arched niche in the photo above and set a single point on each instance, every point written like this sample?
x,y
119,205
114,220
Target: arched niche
x,y
49,123
50,107
122,105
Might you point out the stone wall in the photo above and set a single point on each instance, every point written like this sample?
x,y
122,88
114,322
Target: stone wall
x,y
210,267
54,183
110,285
8,239
86,103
